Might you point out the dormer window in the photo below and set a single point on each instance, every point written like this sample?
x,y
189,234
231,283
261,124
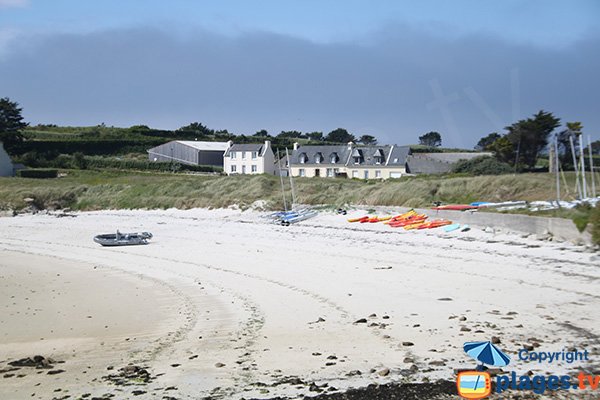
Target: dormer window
x,y
318,158
378,157
232,155
357,156
303,158
333,158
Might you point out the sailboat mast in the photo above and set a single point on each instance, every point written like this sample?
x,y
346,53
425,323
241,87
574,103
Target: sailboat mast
x,y
290,175
281,180
556,166
575,165
592,167
582,159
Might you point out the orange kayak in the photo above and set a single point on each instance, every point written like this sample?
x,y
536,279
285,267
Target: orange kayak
x,y
414,226
357,219
435,224
410,220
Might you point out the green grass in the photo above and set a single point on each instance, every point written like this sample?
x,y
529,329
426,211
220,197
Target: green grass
x,y
94,190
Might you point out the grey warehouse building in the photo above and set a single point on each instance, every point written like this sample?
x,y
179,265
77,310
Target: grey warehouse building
x,y
190,152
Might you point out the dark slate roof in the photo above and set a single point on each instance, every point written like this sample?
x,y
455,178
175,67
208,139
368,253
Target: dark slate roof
x,y
398,155
393,155
246,147
455,157
342,152
421,164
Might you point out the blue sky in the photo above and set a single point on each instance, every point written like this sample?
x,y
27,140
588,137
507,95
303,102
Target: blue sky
x,y
393,69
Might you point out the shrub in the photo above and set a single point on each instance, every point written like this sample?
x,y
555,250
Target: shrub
x,y
79,160
483,165
594,221
38,173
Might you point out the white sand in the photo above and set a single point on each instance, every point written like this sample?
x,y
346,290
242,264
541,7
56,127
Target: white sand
x,y
232,289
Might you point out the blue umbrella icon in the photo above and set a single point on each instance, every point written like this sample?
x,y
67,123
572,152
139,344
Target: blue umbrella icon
x,y
486,353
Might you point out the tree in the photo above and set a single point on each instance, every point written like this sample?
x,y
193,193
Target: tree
x,y
486,141
503,149
530,136
262,133
340,135
564,143
11,123
196,128
368,139
431,139
596,147
316,136
289,134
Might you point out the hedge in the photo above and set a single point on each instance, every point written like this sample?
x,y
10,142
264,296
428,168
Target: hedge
x,y
38,173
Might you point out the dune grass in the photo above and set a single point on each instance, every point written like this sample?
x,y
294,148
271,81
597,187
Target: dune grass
x,y
94,190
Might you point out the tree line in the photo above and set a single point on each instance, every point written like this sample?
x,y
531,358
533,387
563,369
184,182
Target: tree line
x,y
520,146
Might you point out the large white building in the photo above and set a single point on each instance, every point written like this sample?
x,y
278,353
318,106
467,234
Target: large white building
x,y
249,158
351,160
6,165
190,152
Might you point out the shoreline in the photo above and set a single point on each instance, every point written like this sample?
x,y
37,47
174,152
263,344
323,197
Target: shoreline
x,y
247,309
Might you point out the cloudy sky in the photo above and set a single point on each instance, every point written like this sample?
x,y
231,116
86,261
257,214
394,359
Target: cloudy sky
x,y
392,69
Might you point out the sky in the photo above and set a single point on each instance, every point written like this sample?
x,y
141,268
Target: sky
x,y
391,69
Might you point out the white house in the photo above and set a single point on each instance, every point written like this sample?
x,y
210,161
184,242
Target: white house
x,y
249,159
6,165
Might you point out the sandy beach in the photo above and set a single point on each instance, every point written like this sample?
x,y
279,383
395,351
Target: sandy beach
x,y
222,303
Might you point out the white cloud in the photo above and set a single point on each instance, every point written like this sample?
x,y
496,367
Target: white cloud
x,y
13,3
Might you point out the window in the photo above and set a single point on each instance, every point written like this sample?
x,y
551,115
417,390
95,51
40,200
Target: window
x,y
254,155
301,172
254,169
395,160
366,174
317,172
355,174
303,158
330,172
243,155
357,156
378,156
318,158
377,174
232,155
334,158
233,168
243,169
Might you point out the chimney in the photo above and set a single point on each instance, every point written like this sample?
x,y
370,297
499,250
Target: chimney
x,y
350,144
296,145
229,143
267,144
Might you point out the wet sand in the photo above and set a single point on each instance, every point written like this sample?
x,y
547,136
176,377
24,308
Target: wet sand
x,y
224,304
